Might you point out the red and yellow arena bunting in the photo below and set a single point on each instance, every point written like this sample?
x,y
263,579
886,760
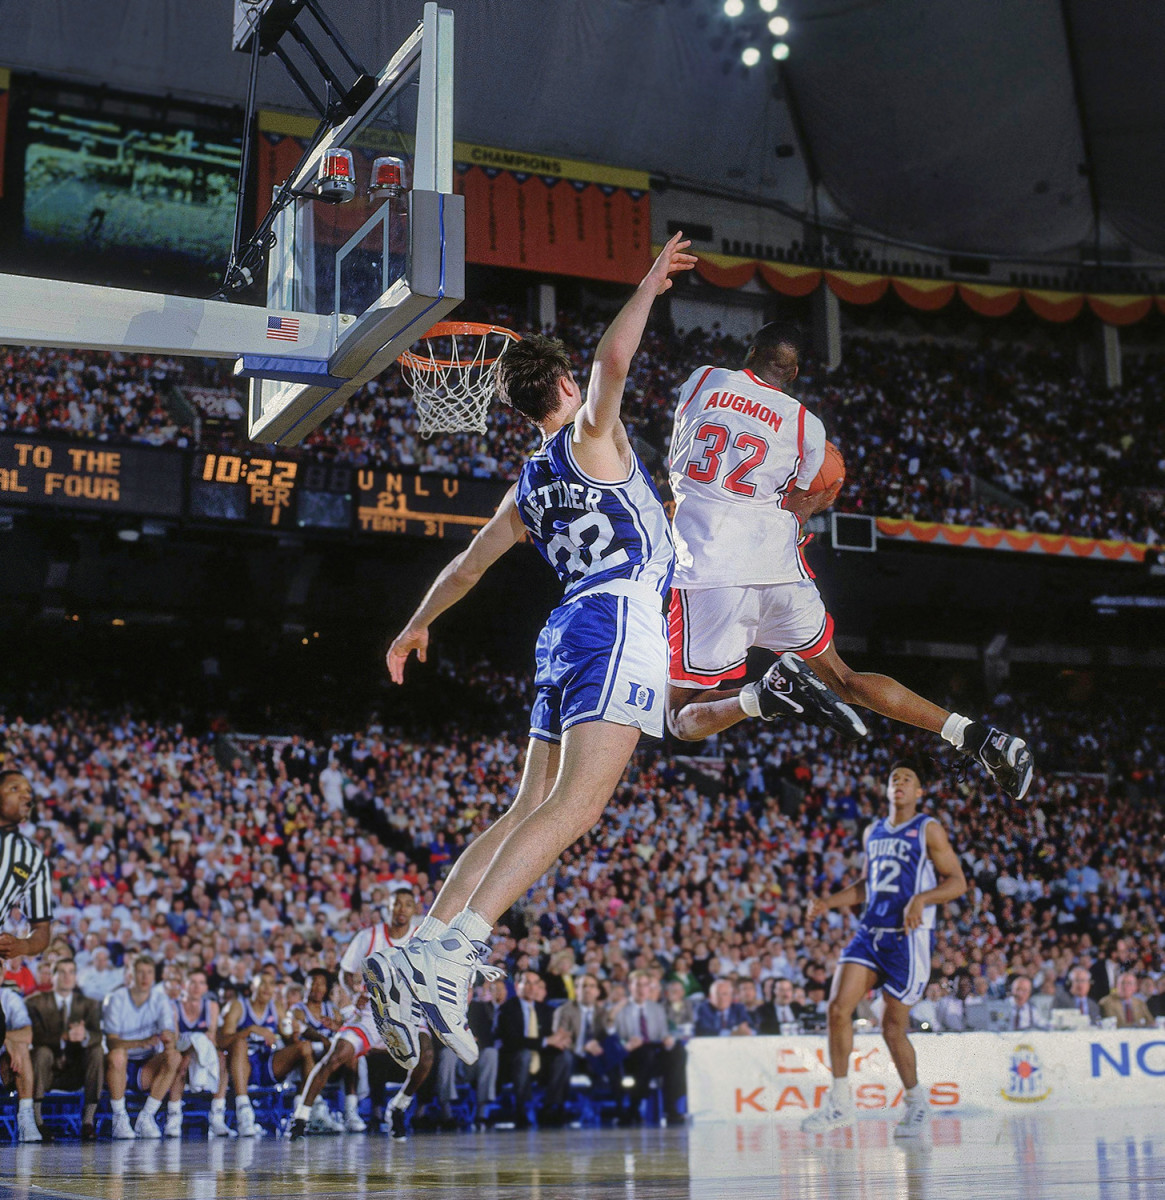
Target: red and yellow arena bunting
x,y
988,538
928,295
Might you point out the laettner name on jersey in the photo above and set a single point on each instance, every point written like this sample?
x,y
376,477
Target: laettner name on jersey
x,y
742,404
561,493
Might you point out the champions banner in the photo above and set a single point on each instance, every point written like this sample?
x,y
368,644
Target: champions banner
x,y
553,215
783,1079
529,211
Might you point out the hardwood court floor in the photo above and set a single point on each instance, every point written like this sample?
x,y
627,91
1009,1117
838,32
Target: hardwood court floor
x,y
1110,1155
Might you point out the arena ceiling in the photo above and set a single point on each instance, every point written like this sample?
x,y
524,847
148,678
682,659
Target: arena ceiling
x,y
997,127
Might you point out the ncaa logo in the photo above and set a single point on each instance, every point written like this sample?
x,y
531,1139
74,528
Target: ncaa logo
x,y
640,696
1025,1077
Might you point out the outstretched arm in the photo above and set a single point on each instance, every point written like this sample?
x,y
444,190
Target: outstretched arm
x,y
502,531
617,346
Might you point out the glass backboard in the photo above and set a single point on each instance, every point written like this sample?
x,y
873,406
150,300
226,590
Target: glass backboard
x,y
386,264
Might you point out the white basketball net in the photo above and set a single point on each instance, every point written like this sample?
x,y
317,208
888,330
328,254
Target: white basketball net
x,y
452,375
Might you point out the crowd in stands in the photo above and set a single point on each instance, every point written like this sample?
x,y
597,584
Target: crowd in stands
x,y
981,435
199,863
91,394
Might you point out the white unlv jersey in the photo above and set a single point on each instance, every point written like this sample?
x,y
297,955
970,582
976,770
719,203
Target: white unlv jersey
x,y
739,447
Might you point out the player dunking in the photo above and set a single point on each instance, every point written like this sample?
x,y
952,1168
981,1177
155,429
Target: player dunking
x,y
743,455
904,853
594,514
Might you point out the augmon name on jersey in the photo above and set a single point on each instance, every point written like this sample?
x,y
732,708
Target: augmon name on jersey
x,y
561,494
741,404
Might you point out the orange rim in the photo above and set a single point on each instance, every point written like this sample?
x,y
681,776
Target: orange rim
x,y
426,362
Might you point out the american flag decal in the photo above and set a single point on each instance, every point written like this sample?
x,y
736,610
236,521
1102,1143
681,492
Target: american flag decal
x,y
912,833
283,329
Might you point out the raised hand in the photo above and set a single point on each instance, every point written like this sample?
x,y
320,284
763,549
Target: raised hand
x,y
671,261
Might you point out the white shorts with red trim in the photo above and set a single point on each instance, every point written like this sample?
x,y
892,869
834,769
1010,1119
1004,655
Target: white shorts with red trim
x,y
711,629
360,1030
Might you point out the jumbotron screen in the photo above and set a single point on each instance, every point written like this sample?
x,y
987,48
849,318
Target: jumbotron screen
x,y
100,184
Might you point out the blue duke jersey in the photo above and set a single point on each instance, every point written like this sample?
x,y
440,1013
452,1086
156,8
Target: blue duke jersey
x,y
602,655
898,867
590,531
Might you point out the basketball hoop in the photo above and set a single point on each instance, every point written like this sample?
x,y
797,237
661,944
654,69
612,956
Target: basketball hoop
x,y
451,373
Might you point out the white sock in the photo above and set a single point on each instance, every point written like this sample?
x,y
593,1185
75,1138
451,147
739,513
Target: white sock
x,y
174,1108
914,1095
151,1106
400,1101
218,1104
953,729
242,1102
840,1094
351,1104
118,1107
25,1106
430,927
749,704
474,926
302,1112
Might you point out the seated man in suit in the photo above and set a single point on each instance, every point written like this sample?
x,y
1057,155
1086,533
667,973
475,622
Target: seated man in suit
x,y
525,1035
747,994
784,1010
1126,1004
1079,985
66,1043
720,1015
652,1052
1019,1012
1156,1003
483,1074
589,1025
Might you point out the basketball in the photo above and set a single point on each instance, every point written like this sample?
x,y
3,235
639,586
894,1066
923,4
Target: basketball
x,y
831,471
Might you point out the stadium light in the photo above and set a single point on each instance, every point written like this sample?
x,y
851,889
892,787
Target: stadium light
x,y
769,6
781,51
750,56
779,26
733,8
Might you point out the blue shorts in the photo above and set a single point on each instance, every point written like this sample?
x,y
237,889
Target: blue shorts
x,y
133,1072
900,959
601,657
261,1074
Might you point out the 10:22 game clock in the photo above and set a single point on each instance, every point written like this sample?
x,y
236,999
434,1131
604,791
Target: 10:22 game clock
x,y
230,487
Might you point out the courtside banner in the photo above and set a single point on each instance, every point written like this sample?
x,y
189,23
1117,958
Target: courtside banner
x,y
785,1079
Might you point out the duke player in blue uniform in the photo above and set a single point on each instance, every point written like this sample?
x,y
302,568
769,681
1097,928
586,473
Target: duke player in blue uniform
x,y
910,867
601,674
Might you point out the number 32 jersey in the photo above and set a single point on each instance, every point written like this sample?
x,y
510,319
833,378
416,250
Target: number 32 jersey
x,y
590,531
739,447
898,867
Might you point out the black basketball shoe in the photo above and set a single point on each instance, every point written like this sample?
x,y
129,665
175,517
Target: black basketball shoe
x,y
790,689
400,1130
298,1129
1006,758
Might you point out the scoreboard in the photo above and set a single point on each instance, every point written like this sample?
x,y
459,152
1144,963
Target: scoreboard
x,y
90,476
282,493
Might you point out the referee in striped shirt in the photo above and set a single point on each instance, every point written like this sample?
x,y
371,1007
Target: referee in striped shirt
x,y
24,873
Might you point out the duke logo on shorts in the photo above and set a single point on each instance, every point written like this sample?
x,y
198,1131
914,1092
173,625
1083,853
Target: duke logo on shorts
x,y
898,867
602,655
